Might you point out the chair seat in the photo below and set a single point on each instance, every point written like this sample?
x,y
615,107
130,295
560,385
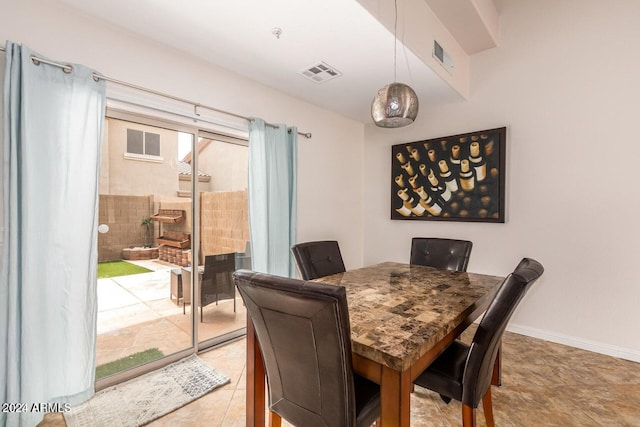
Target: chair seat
x,y
444,375
367,401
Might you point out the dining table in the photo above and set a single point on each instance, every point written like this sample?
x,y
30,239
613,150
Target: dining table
x,y
402,316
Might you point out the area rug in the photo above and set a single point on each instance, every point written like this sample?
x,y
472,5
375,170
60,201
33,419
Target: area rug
x,y
150,396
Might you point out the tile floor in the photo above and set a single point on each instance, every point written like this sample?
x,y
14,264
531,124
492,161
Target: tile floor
x,y
544,384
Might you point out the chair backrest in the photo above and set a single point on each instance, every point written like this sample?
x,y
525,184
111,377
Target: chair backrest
x,y
445,254
304,334
217,282
486,341
318,259
219,266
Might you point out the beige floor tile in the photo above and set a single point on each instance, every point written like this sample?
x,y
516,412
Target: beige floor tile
x,y
564,395
544,384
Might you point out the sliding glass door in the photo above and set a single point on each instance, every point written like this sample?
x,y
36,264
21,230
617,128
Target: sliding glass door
x,y
158,227
224,235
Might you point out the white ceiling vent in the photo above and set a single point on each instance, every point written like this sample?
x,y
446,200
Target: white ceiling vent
x,y
443,57
320,72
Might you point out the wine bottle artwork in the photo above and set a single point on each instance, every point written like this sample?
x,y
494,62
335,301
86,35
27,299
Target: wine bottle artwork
x,y
477,161
454,178
467,178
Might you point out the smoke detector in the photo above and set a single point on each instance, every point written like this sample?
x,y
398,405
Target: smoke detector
x,y
320,72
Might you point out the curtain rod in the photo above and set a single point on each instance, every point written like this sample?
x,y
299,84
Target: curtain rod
x,y
68,68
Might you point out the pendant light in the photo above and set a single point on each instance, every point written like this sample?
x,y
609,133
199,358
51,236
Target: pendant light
x,y
396,104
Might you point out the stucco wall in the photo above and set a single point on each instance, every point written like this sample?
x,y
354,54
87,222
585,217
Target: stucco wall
x,y
227,165
133,176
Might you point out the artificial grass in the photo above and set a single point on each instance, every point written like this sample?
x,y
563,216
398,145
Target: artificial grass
x,y
128,362
119,268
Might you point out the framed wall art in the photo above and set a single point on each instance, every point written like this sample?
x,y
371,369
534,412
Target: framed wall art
x,y
455,178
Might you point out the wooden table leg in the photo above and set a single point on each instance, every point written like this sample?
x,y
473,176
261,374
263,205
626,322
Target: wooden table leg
x,y
255,380
395,398
274,420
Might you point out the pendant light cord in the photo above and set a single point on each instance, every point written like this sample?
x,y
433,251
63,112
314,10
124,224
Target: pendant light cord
x,y
395,41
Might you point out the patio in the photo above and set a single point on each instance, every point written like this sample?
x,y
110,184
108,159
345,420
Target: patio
x,y
135,313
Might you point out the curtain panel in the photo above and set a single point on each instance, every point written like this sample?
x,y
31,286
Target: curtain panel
x,y
53,122
272,196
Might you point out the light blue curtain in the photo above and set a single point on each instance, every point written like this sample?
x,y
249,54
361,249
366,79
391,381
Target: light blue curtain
x,y
53,124
272,196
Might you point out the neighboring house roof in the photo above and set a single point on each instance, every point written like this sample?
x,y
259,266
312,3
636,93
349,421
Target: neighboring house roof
x,y
184,168
202,144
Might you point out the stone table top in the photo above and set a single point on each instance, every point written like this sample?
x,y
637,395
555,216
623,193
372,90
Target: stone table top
x,y
398,312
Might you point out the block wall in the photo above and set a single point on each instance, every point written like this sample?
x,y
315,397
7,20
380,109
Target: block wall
x,y
224,222
123,215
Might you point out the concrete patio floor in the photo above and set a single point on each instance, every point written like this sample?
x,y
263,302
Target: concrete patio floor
x,y
135,313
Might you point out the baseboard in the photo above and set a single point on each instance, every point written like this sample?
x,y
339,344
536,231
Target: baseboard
x,y
596,347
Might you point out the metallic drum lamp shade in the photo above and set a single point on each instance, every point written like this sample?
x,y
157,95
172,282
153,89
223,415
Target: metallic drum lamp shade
x,y
395,105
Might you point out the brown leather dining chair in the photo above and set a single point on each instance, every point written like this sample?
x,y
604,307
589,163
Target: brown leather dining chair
x,y
304,335
318,259
445,254
463,372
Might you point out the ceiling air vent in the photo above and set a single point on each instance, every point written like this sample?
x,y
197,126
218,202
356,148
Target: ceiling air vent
x,y
443,57
320,72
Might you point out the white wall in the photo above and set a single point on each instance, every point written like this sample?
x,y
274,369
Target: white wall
x,y
418,28
330,167
564,81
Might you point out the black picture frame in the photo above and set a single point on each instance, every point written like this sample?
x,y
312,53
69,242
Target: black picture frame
x,y
453,178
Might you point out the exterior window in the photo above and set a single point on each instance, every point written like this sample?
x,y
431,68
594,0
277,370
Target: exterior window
x,y
144,143
152,144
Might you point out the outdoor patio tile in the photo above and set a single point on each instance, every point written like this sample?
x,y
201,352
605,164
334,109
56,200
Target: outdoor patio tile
x,y
146,286
119,318
151,319
165,307
111,296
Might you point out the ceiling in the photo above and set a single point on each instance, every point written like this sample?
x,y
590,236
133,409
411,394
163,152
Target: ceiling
x,y
237,35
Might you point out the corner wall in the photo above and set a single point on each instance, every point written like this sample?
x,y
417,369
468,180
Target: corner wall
x,y
564,82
